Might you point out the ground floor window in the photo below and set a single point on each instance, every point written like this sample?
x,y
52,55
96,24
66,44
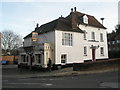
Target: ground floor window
x,y
102,51
63,58
38,58
33,58
27,58
23,58
85,51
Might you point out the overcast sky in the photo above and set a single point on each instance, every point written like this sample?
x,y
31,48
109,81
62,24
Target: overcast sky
x,y
119,13
21,17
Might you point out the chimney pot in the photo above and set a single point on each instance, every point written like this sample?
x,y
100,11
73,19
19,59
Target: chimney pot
x,y
37,25
71,9
75,9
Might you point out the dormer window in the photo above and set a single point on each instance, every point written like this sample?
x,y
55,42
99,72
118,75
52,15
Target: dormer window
x,y
85,19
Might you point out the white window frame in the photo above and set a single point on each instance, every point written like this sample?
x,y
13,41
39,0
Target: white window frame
x,y
101,37
38,59
85,19
85,51
85,38
102,51
93,35
63,58
23,58
67,39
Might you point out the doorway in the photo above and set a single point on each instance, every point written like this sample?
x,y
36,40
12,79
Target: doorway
x,y
93,54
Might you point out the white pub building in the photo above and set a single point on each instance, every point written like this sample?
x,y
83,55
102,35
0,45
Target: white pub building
x,y
77,38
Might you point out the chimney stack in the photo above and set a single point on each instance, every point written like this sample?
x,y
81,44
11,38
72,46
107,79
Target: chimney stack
x,y
74,9
37,25
71,9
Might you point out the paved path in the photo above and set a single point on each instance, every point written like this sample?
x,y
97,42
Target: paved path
x,y
12,71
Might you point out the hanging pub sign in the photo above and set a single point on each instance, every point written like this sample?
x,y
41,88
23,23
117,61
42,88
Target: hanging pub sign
x,y
34,36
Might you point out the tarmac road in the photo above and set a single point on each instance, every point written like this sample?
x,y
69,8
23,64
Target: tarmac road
x,y
101,80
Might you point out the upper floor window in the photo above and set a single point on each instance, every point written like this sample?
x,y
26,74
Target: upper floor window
x,y
93,35
101,37
85,19
67,39
85,35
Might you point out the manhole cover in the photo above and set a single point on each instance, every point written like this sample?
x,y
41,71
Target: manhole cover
x,y
109,85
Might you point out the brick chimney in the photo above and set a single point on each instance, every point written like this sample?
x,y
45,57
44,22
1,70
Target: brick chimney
x,y
71,9
75,9
74,19
37,25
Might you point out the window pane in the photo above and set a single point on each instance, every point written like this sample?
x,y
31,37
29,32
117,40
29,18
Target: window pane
x,y
63,58
93,35
23,58
102,51
38,58
85,50
67,39
101,37
84,35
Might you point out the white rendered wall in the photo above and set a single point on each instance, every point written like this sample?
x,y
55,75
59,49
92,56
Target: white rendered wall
x,y
27,42
88,43
43,38
50,39
74,53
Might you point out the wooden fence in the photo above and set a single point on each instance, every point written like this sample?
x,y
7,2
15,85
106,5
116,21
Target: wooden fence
x,y
10,59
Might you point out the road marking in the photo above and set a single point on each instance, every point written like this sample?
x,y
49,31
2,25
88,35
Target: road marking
x,y
43,84
41,79
26,83
47,84
109,84
5,80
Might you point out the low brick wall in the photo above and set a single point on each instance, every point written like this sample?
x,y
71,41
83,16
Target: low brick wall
x,y
96,65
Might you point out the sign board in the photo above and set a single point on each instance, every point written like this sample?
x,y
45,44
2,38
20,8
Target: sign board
x,y
34,36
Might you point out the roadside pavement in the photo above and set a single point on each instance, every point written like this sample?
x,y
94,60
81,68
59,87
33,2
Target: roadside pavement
x,y
11,71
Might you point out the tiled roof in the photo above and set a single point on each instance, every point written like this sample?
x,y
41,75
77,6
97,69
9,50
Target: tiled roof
x,y
68,23
92,21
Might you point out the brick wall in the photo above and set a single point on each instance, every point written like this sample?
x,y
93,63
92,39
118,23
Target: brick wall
x,y
10,59
96,65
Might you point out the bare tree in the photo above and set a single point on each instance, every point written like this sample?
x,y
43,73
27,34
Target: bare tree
x,y
10,40
117,28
